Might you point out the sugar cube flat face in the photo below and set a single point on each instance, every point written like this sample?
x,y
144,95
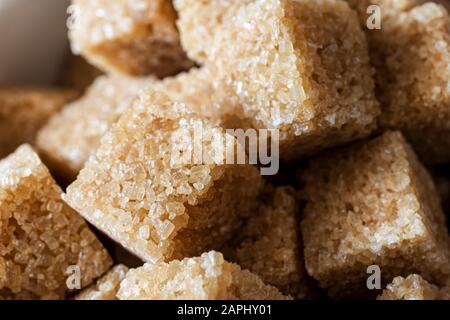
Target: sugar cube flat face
x,y
41,235
414,287
298,66
205,94
269,244
128,36
208,277
106,287
71,136
372,204
200,21
411,54
24,111
416,89
147,189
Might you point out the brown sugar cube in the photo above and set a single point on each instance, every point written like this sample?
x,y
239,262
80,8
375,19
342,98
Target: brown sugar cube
x,y
78,73
200,21
147,191
203,92
131,37
208,277
298,66
372,204
196,88
23,111
106,287
41,235
414,287
411,54
71,136
269,244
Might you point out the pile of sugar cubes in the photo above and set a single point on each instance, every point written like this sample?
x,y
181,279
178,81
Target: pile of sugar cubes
x,y
93,205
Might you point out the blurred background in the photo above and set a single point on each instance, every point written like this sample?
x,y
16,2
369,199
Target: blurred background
x,y
33,41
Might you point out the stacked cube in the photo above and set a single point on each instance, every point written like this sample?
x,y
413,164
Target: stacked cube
x,y
388,213
414,287
136,191
149,159
106,287
41,235
208,277
411,54
301,67
71,136
24,111
270,246
131,37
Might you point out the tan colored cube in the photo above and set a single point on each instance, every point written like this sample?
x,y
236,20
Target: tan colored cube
x,y
23,111
146,190
71,136
208,277
269,244
132,37
411,54
199,23
106,287
298,66
41,235
204,93
414,287
373,204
